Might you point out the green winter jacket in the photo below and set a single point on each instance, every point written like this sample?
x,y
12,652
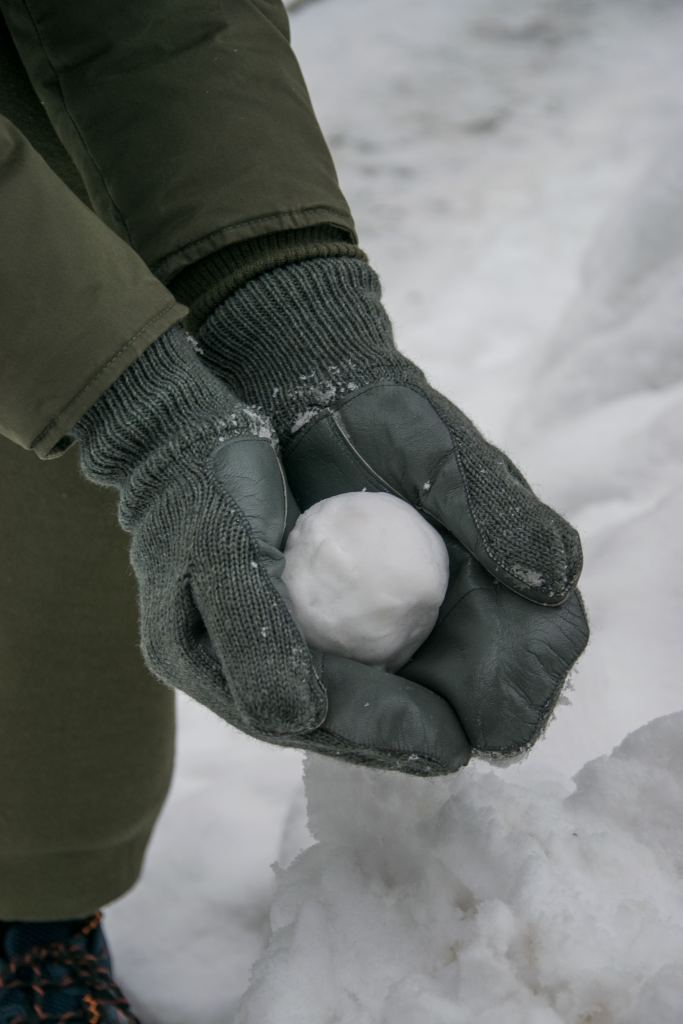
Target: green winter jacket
x,y
187,128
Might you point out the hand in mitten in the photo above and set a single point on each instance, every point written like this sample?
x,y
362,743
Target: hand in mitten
x,y
204,497
311,345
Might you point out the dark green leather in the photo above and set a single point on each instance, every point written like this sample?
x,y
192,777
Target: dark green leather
x,y
392,436
499,659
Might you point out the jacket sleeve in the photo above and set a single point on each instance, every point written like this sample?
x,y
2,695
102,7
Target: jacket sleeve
x,y
188,120
77,305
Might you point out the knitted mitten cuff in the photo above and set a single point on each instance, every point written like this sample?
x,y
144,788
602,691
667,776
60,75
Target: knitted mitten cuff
x,y
164,404
303,336
207,282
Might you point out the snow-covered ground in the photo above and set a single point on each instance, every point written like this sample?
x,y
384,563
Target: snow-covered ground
x,y
516,173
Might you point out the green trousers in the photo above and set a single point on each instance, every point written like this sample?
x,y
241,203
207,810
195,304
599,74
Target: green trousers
x,y
86,734
186,132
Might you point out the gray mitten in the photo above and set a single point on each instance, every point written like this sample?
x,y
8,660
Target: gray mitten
x,y
204,497
311,345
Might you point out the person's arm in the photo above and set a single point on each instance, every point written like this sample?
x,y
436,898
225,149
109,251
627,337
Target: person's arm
x,y
77,304
91,351
192,128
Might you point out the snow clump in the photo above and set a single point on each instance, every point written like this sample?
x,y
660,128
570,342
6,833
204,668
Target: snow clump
x,y
474,900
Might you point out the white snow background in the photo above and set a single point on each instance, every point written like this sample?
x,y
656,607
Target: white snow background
x,y
516,174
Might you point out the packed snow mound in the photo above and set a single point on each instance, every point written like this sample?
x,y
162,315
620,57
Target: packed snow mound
x,y
475,900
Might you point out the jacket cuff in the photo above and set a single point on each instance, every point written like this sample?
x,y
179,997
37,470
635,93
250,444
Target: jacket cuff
x,y
207,282
57,435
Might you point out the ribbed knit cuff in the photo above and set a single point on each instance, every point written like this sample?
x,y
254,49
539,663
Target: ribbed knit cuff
x,y
166,393
207,282
301,335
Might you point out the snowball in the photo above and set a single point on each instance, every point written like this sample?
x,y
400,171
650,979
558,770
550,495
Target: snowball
x,y
366,574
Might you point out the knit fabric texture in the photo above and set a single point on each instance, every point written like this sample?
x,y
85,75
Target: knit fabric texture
x,y
313,339
213,620
208,281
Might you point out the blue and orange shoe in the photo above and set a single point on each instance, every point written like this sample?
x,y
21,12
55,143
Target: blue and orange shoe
x,y
59,973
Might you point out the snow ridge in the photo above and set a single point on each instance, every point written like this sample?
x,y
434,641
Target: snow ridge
x,y
475,900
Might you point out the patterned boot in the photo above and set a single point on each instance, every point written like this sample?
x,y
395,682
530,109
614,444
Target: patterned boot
x,y
59,972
